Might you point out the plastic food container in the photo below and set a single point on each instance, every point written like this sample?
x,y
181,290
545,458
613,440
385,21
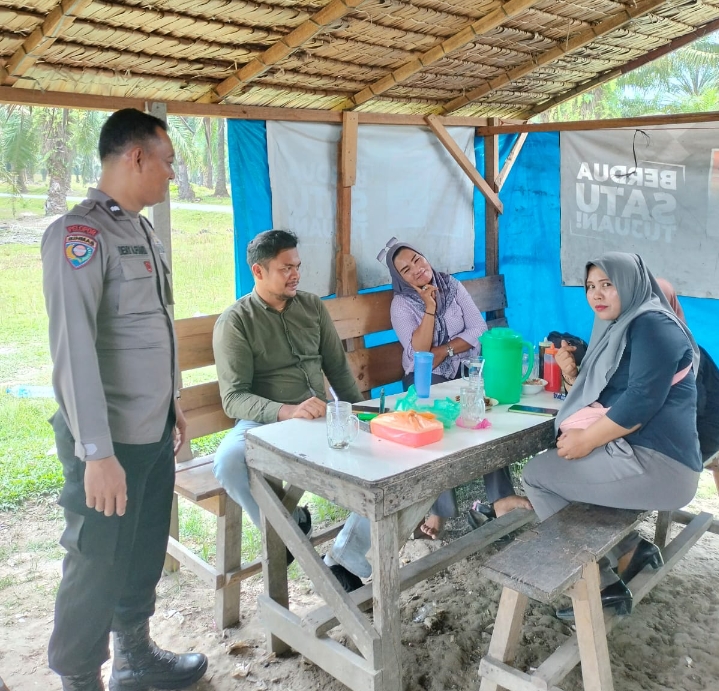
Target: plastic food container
x,y
409,428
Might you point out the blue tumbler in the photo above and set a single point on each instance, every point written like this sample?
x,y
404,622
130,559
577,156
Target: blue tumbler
x,y
422,373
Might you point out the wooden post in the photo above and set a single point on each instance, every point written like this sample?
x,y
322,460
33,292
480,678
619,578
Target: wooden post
x,y
491,216
491,213
274,568
507,632
159,214
489,191
591,632
345,268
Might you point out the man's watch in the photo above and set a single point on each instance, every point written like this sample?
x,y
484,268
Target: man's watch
x,y
450,351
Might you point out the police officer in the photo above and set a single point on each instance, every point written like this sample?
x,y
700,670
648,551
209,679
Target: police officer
x,y
107,288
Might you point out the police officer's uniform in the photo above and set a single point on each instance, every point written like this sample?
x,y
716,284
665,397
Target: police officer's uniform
x,y
107,291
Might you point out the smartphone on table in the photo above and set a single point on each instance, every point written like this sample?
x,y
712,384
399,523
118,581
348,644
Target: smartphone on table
x,y
533,410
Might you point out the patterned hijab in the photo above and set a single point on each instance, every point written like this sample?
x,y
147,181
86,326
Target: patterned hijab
x,y
639,292
445,295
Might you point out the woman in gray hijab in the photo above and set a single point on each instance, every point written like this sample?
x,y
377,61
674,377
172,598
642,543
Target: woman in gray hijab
x,y
637,447
432,311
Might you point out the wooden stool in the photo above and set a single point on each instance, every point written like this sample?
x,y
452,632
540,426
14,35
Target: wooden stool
x,y
561,556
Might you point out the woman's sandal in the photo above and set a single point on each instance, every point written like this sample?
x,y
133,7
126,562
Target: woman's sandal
x,y
420,534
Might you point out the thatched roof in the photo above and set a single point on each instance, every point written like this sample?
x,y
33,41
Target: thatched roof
x,y
459,57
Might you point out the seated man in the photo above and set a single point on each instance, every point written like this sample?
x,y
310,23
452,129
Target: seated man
x,y
271,350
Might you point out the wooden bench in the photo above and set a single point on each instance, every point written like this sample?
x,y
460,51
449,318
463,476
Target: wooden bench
x,y
354,318
561,556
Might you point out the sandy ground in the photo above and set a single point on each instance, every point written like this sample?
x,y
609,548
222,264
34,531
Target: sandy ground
x,y
670,642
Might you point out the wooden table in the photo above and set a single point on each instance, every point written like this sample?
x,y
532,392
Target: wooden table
x,y
393,486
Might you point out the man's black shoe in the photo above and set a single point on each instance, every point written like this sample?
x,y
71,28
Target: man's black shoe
x,y
138,664
304,520
346,578
615,596
91,681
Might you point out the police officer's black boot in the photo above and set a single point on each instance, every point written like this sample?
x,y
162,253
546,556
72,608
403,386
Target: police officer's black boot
x,y
138,664
90,681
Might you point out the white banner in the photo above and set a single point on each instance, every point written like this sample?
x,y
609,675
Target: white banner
x,y
654,192
407,186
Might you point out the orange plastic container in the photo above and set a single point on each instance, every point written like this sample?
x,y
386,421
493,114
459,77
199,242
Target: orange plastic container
x,y
408,427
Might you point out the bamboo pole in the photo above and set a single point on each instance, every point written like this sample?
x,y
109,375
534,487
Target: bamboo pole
x,y
33,47
280,50
438,52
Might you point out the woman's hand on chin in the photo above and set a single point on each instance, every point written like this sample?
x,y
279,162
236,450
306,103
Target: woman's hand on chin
x,y
574,444
427,292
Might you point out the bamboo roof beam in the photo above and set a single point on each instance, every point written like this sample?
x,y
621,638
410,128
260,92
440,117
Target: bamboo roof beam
x,y
461,39
640,121
57,20
284,47
652,55
580,40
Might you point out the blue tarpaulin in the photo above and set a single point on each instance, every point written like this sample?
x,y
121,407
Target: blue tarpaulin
x,y
529,238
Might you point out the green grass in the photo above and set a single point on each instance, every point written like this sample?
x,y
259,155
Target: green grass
x,y
203,260
26,471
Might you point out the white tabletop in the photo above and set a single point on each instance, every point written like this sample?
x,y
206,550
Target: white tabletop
x,y
370,458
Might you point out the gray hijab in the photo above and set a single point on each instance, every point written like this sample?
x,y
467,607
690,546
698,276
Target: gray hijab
x,y
639,292
446,291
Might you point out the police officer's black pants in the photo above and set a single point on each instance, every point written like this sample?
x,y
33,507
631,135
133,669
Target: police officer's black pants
x,y
113,564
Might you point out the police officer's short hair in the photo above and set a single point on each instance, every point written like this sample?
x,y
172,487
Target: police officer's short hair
x,y
125,127
268,244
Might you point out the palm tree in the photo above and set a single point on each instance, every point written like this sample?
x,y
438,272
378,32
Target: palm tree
x,y
59,123
686,80
221,181
83,144
182,131
19,144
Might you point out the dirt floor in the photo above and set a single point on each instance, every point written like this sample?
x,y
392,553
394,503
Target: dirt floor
x,y
670,642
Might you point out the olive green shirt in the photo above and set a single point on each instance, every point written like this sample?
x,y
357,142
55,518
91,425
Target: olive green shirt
x,y
266,358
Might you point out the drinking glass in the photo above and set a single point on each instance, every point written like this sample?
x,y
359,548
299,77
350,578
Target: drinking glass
x,y
342,425
471,403
472,372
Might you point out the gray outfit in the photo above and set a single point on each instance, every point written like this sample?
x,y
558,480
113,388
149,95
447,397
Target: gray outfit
x,y
617,475
620,474
107,290
107,287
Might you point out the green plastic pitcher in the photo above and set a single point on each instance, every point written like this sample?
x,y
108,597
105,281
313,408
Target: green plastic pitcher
x,y
502,350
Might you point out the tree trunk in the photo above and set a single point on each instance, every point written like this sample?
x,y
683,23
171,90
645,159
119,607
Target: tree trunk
x,y
208,177
221,183
21,182
184,188
58,164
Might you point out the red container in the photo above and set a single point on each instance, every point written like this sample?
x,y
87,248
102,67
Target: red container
x,y
552,373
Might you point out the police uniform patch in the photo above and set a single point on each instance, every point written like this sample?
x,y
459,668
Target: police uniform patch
x,y
148,266
79,249
85,230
